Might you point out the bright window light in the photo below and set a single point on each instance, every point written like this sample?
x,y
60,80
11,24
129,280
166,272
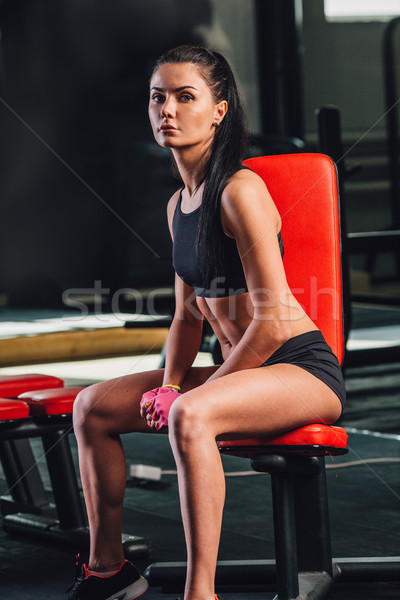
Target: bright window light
x,y
361,9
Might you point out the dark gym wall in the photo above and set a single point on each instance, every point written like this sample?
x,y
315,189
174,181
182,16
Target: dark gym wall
x,y
83,185
77,159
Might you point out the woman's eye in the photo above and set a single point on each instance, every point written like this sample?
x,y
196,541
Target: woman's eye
x,y
186,97
157,98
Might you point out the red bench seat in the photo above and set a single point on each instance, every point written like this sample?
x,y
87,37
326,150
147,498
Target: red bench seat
x,y
11,410
53,401
12,386
312,439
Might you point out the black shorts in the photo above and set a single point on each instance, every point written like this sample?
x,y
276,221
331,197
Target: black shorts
x,y
311,352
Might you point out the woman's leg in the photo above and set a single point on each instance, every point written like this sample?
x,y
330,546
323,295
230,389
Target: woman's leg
x,y
101,413
244,404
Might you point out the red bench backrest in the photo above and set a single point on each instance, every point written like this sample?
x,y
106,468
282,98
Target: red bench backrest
x,y
305,190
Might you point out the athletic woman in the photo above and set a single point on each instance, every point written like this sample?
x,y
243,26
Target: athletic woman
x,y
278,372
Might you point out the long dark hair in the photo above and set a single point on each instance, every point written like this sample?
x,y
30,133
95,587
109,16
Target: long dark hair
x,y
226,154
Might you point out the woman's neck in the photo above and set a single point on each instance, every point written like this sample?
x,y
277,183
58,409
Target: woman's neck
x,y
190,166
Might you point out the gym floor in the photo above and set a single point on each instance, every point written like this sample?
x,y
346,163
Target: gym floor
x,y
364,491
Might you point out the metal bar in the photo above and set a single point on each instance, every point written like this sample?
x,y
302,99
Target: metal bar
x,y
48,529
29,473
372,356
171,575
64,480
285,537
374,568
373,241
312,521
22,474
392,121
247,573
12,472
377,299
31,427
278,36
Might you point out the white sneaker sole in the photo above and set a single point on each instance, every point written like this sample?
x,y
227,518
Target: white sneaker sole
x,y
133,591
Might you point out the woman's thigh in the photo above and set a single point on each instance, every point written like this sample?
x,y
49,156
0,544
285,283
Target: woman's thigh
x,y
114,404
261,401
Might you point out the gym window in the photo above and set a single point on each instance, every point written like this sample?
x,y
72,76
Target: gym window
x,y
361,10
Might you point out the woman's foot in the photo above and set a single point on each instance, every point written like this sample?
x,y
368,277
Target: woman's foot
x,y
125,584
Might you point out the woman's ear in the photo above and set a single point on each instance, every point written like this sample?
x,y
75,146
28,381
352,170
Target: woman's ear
x,y
220,111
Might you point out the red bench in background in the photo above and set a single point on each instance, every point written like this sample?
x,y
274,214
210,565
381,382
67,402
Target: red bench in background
x,y
40,406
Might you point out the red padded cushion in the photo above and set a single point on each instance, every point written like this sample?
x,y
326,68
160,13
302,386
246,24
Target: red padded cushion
x,y
309,435
11,386
56,401
304,189
13,409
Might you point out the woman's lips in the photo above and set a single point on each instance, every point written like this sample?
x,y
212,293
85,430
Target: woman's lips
x,y
167,128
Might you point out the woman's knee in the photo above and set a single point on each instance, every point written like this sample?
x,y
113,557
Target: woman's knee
x,y
85,406
188,421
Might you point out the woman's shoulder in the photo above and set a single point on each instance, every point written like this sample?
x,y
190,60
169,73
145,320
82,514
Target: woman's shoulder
x,y
173,201
245,185
246,198
171,207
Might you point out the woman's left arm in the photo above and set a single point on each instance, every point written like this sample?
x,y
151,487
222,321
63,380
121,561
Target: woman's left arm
x,y
249,215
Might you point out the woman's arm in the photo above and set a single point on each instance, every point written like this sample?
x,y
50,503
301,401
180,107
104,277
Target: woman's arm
x,y
249,215
184,337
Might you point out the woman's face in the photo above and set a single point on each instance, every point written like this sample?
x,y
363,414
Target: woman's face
x,y
182,111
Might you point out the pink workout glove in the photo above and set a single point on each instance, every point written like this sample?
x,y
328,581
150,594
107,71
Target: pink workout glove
x,y
147,401
156,404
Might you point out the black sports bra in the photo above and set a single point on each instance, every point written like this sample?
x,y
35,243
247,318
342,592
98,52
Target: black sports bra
x,y
184,257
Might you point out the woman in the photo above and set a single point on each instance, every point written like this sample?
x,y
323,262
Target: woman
x,y
228,261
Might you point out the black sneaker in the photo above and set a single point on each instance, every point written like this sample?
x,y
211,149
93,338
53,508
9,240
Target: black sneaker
x,y
126,584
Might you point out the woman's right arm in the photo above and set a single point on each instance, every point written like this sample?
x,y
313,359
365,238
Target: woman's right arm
x,y
184,337
183,344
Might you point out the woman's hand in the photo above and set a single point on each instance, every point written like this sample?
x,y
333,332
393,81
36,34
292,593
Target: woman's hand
x,y
147,401
155,406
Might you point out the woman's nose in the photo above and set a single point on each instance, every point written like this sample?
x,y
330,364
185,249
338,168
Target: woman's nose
x,y
168,109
